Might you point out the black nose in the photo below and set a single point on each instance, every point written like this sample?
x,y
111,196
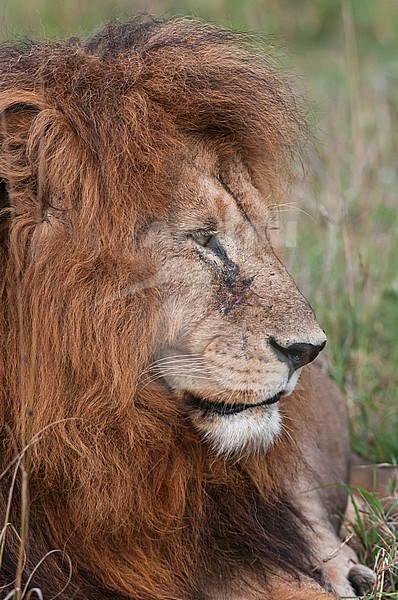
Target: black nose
x,y
296,355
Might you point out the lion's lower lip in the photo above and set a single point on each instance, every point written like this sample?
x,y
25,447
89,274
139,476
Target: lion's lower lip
x,y
208,408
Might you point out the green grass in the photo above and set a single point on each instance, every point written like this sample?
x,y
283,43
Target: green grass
x,y
373,532
345,253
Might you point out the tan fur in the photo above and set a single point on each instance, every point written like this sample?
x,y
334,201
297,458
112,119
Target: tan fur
x,y
115,154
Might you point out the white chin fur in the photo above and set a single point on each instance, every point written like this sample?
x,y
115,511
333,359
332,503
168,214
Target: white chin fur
x,y
250,431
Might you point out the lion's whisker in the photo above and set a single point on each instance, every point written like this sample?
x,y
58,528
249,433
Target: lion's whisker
x,y
177,358
176,368
297,209
288,432
168,370
171,373
176,361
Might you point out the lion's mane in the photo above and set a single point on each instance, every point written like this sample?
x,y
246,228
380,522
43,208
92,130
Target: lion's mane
x,y
119,484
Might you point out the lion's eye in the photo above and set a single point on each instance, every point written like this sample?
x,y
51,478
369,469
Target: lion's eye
x,y
203,238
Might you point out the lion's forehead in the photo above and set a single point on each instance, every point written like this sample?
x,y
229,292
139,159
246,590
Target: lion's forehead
x,y
222,194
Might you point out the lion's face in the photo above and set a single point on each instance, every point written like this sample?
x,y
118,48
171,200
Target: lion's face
x,y
234,331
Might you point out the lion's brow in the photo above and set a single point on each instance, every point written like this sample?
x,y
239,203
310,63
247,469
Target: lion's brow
x,y
237,202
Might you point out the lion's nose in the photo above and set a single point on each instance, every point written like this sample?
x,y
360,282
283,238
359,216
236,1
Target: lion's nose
x,y
296,355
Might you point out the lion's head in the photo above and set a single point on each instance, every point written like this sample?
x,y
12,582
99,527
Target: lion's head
x,y
144,311
233,331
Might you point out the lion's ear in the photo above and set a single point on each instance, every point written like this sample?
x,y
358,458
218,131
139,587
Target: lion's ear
x,y
16,119
17,114
41,156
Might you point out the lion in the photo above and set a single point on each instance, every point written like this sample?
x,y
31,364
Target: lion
x,y
158,442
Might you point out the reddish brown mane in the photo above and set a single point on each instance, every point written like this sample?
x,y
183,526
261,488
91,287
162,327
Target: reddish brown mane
x,y
91,134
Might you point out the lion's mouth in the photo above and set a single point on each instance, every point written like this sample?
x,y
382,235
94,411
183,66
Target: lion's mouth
x,y
209,408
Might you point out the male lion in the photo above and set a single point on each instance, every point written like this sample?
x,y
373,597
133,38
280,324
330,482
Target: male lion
x,y
152,342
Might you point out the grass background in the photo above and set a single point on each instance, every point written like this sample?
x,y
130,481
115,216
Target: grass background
x,y
342,221
344,251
